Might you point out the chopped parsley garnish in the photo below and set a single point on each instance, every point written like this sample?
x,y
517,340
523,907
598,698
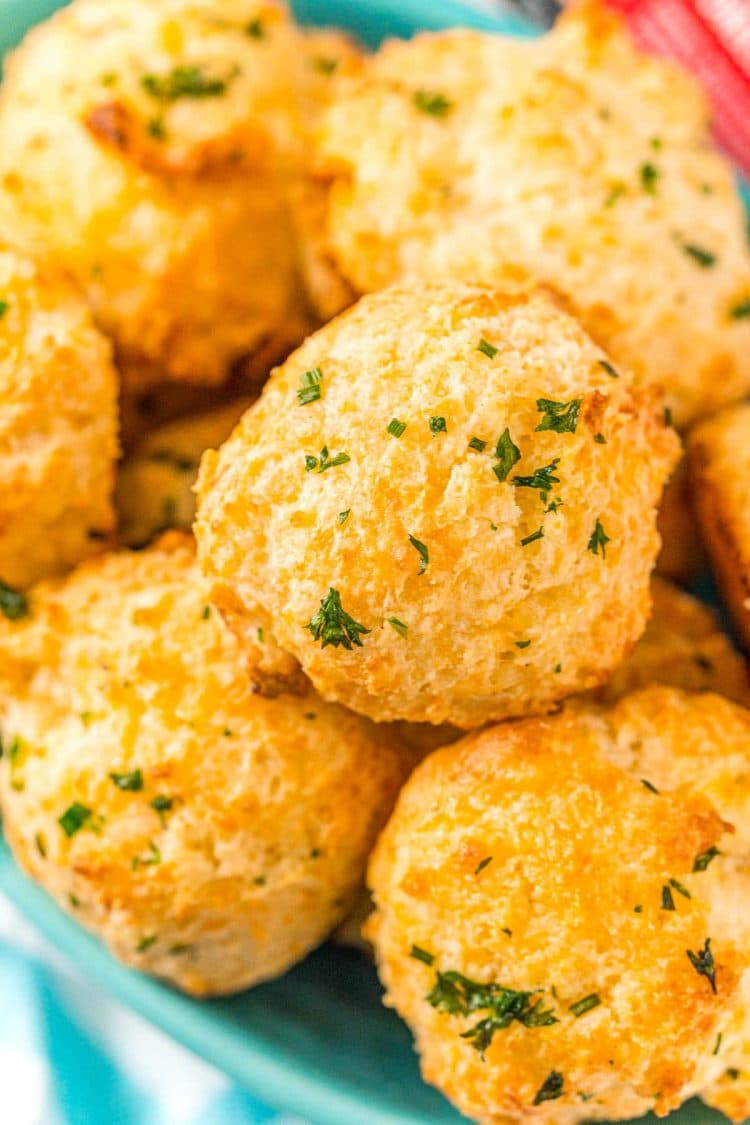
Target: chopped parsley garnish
x,y
399,626
310,388
611,371
260,635
489,349
161,805
703,963
423,552
478,445
325,461
74,818
343,517
701,862
737,312
74,901
656,144
183,82
554,505
437,425
205,612
599,539
585,1005
437,105
649,177
421,955
4,306
681,890
667,415
543,479
648,785
507,455
129,782
333,626
550,1089
638,909
562,417
395,428
41,844
13,604
156,128
667,901
456,995
482,864
325,65
600,439
702,257
616,192
150,860
558,669
732,1072
539,534
717,1048
145,943
255,29
522,644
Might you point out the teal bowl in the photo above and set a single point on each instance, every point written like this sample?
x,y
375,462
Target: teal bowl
x,y
318,1042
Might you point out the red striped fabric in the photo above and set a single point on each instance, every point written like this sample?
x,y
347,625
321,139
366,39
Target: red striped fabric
x,y
712,39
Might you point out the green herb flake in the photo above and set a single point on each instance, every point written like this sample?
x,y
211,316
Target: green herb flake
x,y
539,534
522,644
701,862
703,963
607,366
732,1072
255,29
507,454
599,539
179,950
740,311
668,416
422,955
437,425
156,128
702,257
551,1088
150,860
161,805
183,82
41,844
260,635
478,445
717,1048
13,604
681,890
616,192
129,782
145,943
310,386
333,626
455,994
648,785
667,901
343,517
4,306
75,817
482,864
422,551
205,612
324,461
558,669
649,174
435,104
542,479
638,909
487,348
260,880
561,417
395,428
399,626
600,439
325,65
74,901
585,1005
